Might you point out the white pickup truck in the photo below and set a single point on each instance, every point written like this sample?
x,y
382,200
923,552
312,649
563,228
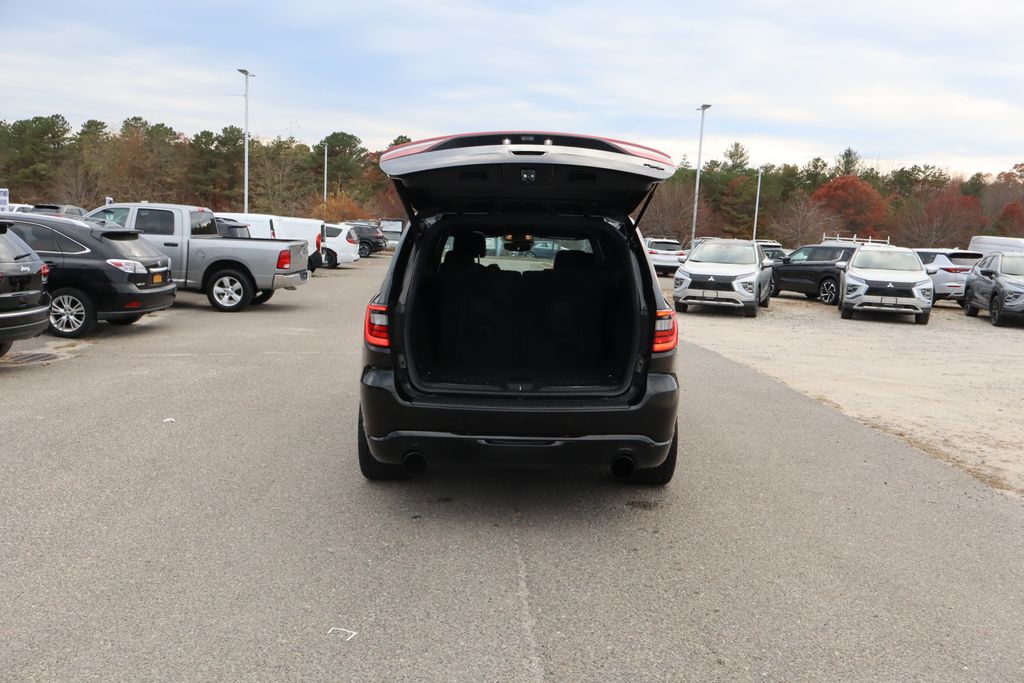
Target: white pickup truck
x,y
233,273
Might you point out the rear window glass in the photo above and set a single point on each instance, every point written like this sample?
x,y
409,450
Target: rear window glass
x,y
542,252
130,244
11,247
202,223
927,256
666,246
965,258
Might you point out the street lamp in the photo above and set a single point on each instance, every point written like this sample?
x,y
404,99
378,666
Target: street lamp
x,y
245,192
757,201
696,188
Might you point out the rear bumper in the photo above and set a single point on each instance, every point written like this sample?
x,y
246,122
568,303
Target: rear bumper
x,y
25,324
290,280
583,432
119,303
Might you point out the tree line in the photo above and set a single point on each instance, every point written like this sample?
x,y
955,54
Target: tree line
x,y
42,159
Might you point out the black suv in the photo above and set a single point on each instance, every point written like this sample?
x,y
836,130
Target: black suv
x,y
371,238
812,271
565,356
24,303
96,272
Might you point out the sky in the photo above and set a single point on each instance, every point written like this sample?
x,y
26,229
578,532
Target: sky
x,y
901,82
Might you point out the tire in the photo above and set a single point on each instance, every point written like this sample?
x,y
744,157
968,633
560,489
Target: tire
x,y
774,287
374,469
763,303
682,308
970,310
131,320
750,310
995,311
72,313
828,291
365,249
330,259
922,318
846,312
662,474
5,347
262,296
229,290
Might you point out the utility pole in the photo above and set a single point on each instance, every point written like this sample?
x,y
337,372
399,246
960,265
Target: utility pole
x,y
325,171
696,187
757,201
245,191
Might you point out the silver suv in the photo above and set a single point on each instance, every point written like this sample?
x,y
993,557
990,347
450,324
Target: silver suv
x,y
886,279
721,272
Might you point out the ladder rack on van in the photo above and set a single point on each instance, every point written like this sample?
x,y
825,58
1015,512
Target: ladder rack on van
x,y
852,240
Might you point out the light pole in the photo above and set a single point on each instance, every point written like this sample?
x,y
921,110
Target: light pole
x,y
245,192
325,170
696,187
757,201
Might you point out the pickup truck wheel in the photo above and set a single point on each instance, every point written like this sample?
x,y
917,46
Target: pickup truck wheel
x,y
365,249
229,291
662,474
5,347
262,296
130,320
374,469
72,313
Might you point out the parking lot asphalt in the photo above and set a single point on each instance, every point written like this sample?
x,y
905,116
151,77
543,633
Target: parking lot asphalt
x,y
240,541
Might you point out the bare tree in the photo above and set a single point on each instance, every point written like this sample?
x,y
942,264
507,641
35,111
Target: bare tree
x,y
670,212
802,221
939,218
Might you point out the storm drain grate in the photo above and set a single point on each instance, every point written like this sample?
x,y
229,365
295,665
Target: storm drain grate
x,y
31,358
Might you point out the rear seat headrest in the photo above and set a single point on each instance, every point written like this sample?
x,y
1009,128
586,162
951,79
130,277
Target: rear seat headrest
x,y
473,243
574,259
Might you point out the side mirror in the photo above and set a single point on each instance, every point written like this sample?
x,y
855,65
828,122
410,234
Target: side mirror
x,y
841,265
785,259
767,262
931,270
988,272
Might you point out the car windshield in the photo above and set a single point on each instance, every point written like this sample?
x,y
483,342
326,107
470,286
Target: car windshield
x,y
886,260
11,247
719,252
1013,265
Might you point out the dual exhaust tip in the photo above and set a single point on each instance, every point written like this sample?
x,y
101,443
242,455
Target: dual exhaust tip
x,y
414,464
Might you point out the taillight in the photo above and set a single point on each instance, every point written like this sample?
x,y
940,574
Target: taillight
x,y
351,239
665,331
45,272
126,265
318,241
957,270
680,253
652,251
284,259
375,328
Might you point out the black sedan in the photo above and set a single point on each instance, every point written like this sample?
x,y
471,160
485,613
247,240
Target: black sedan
x,y
96,273
24,303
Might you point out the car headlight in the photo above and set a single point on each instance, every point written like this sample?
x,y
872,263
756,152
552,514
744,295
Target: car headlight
x,y
682,277
853,285
1012,295
746,282
925,289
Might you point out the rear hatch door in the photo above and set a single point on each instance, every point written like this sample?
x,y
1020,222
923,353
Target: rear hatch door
x,y
21,278
524,172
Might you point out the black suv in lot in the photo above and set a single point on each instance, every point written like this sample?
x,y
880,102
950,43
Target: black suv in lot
x,y
371,238
565,356
24,302
96,272
811,270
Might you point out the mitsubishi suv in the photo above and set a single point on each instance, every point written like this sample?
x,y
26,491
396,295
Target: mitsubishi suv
x,y
997,284
473,352
720,272
888,280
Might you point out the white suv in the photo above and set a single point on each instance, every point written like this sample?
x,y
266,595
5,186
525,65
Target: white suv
x,y
886,279
665,254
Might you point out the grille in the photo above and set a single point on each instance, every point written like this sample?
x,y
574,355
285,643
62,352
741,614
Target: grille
x,y
713,286
885,290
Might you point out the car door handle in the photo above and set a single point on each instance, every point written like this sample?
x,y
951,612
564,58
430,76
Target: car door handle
x,y
170,244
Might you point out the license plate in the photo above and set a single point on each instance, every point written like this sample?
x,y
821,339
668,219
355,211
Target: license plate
x,y
158,279
889,300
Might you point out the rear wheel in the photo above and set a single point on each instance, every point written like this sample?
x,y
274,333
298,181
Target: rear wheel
x,y
72,313
995,311
330,259
774,287
662,474
750,310
263,296
970,310
5,347
130,320
229,291
374,469
828,291
922,318
365,249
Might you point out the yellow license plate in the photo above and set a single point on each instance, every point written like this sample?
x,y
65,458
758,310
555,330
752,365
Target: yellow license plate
x,y
157,279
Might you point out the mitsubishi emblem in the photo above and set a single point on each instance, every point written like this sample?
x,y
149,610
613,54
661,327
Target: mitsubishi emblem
x,y
711,279
889,285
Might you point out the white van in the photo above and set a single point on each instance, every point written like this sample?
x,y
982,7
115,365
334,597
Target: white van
x,y
285,227
990,244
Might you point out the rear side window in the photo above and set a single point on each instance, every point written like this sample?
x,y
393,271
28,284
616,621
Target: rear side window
x,y
799,255
129,244
117,215
154,221
333,232
68,245
11,247
927,256
202,223
37,237
824,254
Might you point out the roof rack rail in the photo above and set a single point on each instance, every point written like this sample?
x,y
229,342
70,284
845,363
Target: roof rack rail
x,y
852,240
